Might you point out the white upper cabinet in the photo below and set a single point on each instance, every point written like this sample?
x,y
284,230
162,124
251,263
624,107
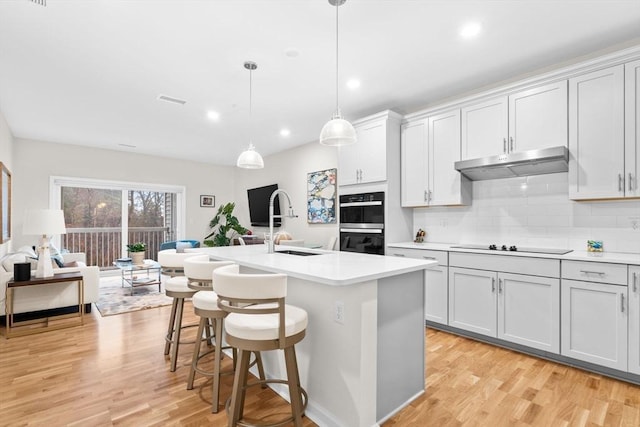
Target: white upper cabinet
x,y
429,149
632,129
527,120
484,129
538,118
596,135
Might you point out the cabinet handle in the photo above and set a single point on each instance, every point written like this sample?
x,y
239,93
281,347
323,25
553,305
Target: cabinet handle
x,y
429,196
401,255
493,284
620,182
510,143
635,282
426,196
622,303
630,181
504,145
592,272
499,286
429,257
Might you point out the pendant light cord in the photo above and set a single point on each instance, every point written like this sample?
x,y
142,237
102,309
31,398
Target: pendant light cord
x,y
250,107
337,103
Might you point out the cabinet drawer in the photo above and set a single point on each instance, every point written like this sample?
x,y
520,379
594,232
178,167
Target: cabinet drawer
x,y
544,267
440,256
600,272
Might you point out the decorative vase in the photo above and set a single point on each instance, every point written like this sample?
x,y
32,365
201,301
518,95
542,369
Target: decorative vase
x,y
137,258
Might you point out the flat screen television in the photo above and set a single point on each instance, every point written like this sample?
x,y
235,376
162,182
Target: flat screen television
x,y
259,205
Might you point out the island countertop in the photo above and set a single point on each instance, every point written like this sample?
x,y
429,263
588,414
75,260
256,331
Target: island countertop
x,y
329,267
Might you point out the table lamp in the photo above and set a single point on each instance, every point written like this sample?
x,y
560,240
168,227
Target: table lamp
x,y
46,223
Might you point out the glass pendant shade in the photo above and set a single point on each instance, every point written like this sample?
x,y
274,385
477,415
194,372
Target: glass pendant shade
x,y
250,159
337,132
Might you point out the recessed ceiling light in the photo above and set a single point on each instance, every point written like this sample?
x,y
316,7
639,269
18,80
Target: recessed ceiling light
x,y
292,52
353,84
470,30
213,115
285,132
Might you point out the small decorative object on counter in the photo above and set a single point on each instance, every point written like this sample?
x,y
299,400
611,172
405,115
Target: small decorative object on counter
x,y
595,246
420,235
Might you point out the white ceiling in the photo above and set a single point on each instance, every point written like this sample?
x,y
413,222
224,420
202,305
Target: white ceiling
x,y
89,72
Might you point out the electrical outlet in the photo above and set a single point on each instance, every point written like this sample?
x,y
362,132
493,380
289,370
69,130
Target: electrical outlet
x,y
635,222
338,312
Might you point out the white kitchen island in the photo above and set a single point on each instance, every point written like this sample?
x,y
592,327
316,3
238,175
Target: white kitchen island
x,y
361,366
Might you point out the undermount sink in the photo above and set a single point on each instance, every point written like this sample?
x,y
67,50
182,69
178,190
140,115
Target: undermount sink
x,y
299,253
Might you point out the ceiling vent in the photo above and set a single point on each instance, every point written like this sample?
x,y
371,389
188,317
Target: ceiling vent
x,y
171,99
40,2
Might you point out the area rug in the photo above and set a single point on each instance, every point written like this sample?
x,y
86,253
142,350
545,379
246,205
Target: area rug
x,y
114,299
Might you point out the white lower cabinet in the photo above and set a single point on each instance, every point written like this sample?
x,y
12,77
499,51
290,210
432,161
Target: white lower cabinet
x,y
594,323
634,319
529,311
472,300
514,307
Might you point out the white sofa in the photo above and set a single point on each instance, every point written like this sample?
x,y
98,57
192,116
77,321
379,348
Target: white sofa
x,y
35,298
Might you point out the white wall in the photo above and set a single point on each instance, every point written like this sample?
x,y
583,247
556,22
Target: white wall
x,y
536,212
6,157
36,161
289,170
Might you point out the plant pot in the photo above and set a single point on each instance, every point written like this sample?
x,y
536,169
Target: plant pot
x,y
137,258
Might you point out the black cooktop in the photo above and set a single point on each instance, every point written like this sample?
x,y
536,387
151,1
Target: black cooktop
x,y
513,248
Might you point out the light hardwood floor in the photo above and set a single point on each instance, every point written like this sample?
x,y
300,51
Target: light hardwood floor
x,y
112,372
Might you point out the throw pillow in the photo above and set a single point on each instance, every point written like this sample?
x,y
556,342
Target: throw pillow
x,y
181,246
10,259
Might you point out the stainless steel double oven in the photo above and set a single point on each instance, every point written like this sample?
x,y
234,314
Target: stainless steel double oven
x,y
362,223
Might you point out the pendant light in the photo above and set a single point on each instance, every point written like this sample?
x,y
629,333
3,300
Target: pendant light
x,y
250,158
337,131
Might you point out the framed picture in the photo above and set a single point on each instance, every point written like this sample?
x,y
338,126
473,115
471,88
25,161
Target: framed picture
x,y
5,206
207,201
321,197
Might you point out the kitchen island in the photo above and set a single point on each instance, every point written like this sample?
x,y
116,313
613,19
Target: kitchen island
x,y
362,358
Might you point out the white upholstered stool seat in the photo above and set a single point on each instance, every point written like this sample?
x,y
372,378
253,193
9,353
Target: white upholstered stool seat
x,y
259,320
172,262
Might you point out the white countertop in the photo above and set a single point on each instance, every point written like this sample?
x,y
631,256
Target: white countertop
x,y
331,267
612,257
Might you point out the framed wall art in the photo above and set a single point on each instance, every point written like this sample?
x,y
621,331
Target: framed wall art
x,y
321,197
207,201
5,206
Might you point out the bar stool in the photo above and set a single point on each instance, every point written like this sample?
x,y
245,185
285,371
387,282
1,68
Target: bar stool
x,y
259,320
199,271
176,287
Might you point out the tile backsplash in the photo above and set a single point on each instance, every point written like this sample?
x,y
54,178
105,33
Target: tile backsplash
x,y
533,211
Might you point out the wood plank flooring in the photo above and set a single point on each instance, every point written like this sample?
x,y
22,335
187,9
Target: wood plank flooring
x,y
112,372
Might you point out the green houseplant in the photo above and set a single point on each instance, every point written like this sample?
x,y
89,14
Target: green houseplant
x,y
136,252
221,224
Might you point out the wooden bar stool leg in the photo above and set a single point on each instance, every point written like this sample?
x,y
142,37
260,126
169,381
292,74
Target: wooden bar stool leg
x,y
196,352
176,335
242,367
258,357
294,385
172,324
215,396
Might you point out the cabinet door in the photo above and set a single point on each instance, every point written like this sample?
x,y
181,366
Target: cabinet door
x,y
538,118
436,295
484,129
634,319
472,300
594,323
444,150
529,311
596,134
632,129
413,146
366,160
349,163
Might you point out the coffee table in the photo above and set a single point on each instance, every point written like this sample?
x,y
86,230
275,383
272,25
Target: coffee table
x,y
131,274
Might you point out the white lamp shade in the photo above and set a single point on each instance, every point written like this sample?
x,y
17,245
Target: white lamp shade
x,y
338,132
250,159
44,222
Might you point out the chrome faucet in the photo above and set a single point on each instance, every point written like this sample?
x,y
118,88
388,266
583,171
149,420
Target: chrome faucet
x,y
290,214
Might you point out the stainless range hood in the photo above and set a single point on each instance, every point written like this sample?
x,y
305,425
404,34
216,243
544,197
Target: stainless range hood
x,y
523,163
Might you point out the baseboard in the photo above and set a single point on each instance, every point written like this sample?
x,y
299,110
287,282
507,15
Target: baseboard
x,y
19,317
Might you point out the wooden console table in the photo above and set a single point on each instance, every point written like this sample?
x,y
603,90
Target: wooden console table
x,y
23,326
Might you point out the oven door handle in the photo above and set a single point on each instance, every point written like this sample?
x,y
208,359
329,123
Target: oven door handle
x,y
362,230
351,204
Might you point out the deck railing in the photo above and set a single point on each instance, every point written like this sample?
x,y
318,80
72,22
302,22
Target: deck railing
x,y
103,245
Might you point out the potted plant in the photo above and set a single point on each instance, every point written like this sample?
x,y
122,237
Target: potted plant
x,y
221,224
136,252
